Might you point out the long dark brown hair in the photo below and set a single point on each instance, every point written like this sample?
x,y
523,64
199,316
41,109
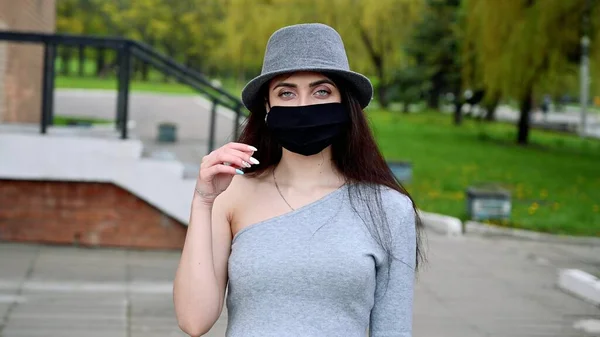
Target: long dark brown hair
x,y
355,154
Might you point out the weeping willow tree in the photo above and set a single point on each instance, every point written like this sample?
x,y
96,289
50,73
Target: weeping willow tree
x,y
384,26
525,48
373,32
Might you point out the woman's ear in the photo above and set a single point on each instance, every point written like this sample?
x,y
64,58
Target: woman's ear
x,y
267,108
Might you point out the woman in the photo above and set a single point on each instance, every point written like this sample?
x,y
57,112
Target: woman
x,y
301,219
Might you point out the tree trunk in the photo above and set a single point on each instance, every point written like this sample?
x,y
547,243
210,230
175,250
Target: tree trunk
x,y
135,68
525,107
81,63
490,108
382,87
170,50
100,61
145,70
458,116
377,59
433,101
490,113
406,107
66,60
382,95
241,76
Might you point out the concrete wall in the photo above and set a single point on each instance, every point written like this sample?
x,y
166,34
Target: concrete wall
x,y
63,188
59,156
88,214
21,64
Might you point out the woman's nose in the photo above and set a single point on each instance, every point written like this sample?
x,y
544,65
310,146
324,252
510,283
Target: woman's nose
x,y
304,99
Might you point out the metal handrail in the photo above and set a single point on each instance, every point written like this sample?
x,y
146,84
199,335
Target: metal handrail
x,y
62,39
168,61
126,49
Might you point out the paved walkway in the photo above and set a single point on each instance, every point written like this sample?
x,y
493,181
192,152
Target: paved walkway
x,y
471,286
571,117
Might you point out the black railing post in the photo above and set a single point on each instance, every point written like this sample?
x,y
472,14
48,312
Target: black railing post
x,y
123,97
118,57
81,63
213,121
51,80
47,86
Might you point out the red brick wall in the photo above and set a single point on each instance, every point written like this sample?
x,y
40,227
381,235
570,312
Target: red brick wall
x,y
21,64
88,214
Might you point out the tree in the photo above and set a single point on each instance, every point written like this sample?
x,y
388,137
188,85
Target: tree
x,y
383,26
522,48
199,34
373,32
229,36
434,46
408,87
77,17
69,19
246,26
142,20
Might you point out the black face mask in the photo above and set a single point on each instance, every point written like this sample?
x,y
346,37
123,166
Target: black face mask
x,y
307,129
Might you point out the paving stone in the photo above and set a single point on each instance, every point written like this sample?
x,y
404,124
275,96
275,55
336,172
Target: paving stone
x,y
472,286
62,332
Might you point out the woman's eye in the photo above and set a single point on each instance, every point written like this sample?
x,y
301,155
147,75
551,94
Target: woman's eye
x,y
322,92
286,94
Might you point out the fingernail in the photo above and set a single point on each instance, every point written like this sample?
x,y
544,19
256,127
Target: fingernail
x,y
254,161
239,171
252,148
246,164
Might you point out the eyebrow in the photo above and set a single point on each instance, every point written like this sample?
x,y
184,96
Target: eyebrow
x,y
311,85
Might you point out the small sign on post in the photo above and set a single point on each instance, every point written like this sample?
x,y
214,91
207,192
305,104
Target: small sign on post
x,y
488,202
402,170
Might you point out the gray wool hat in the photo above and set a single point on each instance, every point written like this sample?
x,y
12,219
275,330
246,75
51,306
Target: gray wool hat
x,y
306,47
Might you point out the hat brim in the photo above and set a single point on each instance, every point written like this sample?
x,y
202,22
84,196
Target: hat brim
x,y
361,85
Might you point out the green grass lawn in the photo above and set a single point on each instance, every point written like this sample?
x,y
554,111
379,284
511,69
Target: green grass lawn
x,y
156,81
65,121
555,182
111,84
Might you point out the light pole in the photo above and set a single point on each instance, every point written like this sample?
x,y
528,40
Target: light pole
x,y
585,83
585,68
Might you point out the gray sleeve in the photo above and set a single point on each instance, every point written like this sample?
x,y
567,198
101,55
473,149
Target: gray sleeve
x,y
392,311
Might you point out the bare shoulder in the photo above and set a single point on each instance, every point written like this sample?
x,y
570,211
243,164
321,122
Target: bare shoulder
x,y
242,185
236,194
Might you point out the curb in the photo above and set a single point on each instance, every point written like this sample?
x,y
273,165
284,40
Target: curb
x,y
480,228
590,326
443,224
580,284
